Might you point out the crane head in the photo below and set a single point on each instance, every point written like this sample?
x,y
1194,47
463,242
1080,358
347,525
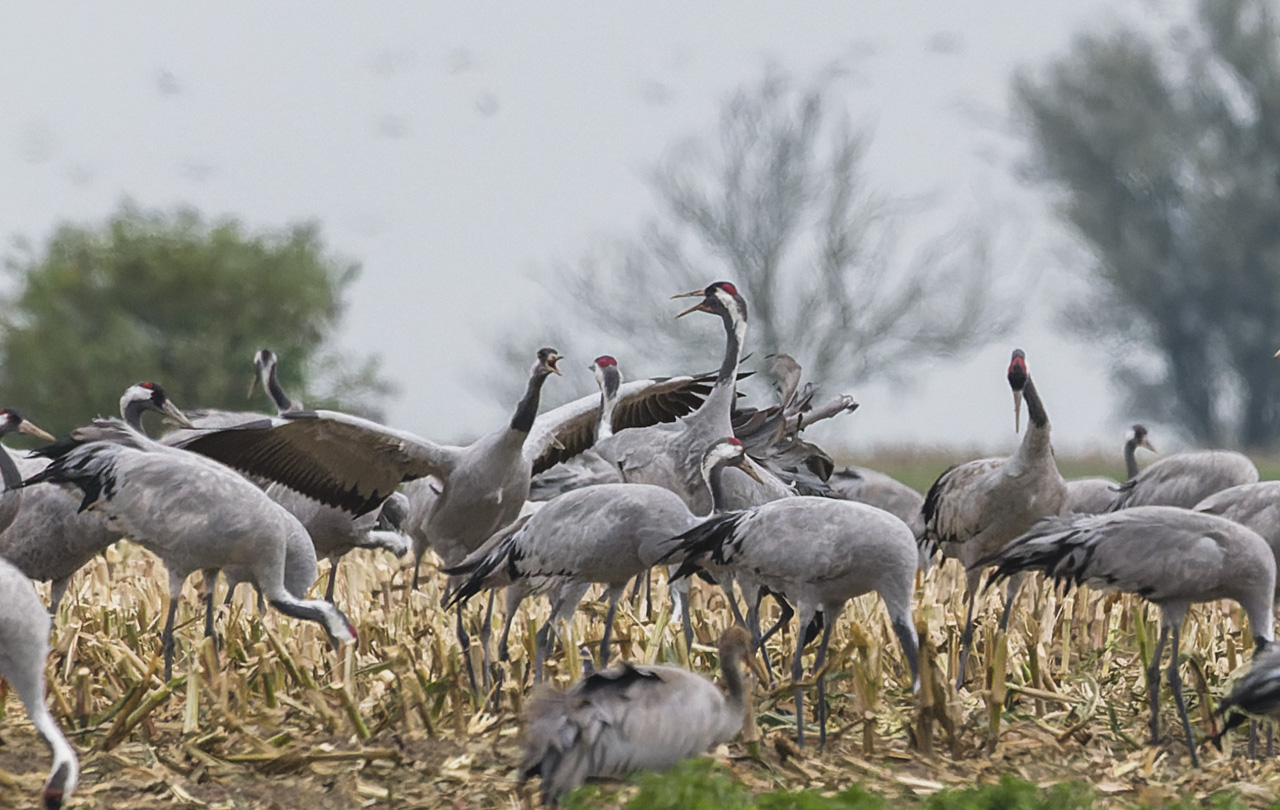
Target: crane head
x,y
717,298
1018,377
607,374
263,361
11,420
1138,435
547,359
728,452
149,396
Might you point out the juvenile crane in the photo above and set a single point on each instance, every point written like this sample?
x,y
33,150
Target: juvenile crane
x,y
1169,556
633,717
24,647
605,533
818,553
975,508
192,512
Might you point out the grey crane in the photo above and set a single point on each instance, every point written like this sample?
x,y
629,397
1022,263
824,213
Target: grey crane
x,y
672,458
1254,695
51,539
1254,505
24,647
1182,479
818,553
11,497
633,717
975,508
1170,556
587,467
1093,496
192,512
605,533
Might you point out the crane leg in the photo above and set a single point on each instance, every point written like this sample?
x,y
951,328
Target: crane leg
x,y
761,638
515,595
1175,683
797,674
822,684
486,633
1271,739
56,592
1253,738
464,641
166,637
906,634
333,578
614,593
542,641
648,594
966,638
1153,684
1011,593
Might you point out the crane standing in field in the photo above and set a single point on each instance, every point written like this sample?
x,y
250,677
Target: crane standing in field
x,y
1182,479
193,513
818,553
974,509
24,648
1170,556
602,533
633,717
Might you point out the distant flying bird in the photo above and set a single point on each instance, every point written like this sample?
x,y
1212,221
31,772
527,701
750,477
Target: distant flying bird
x,y
633,717
1169,556
192,512
24,650
974,509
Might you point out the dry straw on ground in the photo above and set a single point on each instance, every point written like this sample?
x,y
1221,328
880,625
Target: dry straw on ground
x,y
275,718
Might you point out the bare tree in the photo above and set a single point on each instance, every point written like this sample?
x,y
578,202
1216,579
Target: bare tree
x,y
777,202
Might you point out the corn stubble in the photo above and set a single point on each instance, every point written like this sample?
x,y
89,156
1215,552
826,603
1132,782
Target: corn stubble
x,y
271,713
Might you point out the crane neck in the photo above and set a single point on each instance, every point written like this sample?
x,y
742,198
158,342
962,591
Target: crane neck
x,y
610,380
1130,458
272,383
132,414
9,470
719,403
713,474
1036,440
527,410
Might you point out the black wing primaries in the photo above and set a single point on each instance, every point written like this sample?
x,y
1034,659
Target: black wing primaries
x,y
263,449
930,540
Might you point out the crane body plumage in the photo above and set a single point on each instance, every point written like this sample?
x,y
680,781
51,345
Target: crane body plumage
x,y
24,648
632,717
1185,479
1170,556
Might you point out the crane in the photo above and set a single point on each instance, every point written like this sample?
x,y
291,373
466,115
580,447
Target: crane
x,y
633,717
818,553
24,648
1170,556
192,512
975,508
1093,496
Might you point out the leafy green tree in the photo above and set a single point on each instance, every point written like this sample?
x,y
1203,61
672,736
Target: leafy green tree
x,y
1165,156
171,297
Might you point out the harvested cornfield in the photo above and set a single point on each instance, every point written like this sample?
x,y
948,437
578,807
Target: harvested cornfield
x,y
275,718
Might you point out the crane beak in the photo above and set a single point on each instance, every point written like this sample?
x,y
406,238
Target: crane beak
x,y
701,306
749,467
1147,444
1017,411
175,413
551,363
26,427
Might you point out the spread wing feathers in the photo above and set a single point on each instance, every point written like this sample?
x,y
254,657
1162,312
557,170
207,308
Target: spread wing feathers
x,y
564,432
338,459
1185,479
952,510
1156,552
614,722
89,467
588,469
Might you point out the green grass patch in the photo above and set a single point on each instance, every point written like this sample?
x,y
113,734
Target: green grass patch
x,y
704,784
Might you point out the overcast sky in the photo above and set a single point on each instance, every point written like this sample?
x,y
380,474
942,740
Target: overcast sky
x,y
457,152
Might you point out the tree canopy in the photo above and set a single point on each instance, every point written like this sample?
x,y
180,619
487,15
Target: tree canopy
x,y
776,201
170,297
1165,156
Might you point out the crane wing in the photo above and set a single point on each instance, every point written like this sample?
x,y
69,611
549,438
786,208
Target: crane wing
x,y
338,459
564,432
